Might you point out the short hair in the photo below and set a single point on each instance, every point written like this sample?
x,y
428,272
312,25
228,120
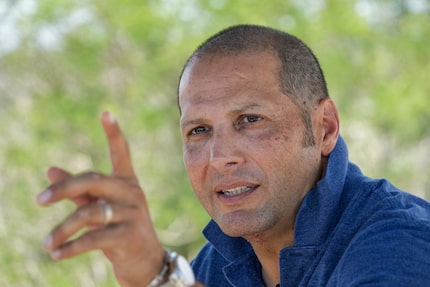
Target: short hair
x,y
300,74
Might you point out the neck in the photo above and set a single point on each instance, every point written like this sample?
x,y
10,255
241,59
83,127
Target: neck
x,y
267,249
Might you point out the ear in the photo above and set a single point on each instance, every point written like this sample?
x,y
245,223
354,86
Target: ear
x,y
330,125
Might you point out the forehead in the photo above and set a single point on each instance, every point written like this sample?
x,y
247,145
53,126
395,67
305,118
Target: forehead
x,y
215,76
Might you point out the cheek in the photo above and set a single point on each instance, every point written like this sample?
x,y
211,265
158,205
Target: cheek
x,y
283,156
194,163
193,154
196,175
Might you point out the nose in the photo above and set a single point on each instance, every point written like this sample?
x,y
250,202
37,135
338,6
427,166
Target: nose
x,y
225,153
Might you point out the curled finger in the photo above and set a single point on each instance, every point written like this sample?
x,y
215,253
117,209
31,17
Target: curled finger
x,y
97,239
94,216
56,174
90,186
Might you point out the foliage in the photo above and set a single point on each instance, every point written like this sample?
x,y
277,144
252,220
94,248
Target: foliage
x,y
62,63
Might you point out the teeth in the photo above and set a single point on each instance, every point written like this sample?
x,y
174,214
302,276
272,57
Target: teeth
x,y
236,191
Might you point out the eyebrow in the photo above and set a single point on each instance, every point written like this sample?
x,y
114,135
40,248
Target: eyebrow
x,y
192,122
244,109
232,112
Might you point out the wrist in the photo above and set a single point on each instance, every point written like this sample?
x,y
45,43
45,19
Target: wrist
x,y
162,276
175,272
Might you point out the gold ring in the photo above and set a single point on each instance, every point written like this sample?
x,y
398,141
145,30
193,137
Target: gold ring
x,y
107,212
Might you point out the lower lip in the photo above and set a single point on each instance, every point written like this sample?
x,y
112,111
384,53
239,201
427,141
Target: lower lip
x,y
235,198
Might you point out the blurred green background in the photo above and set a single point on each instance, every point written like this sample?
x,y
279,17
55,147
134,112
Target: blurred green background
x,y
63,62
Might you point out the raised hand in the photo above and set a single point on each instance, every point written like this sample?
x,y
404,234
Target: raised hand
x,y
114,211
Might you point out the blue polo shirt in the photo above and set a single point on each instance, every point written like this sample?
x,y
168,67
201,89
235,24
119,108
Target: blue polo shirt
x,y
350,231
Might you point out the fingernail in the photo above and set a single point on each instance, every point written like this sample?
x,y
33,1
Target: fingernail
x,y
44,196
56,254
112,118
48,242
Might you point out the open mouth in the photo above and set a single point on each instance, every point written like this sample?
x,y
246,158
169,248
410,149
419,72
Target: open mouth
x,y
237,190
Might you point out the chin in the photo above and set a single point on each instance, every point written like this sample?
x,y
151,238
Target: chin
x,y
240,229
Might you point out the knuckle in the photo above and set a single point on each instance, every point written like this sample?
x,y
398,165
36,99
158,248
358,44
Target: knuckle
x,y
86,213
91,174
84,243
82,213
89,240
69,249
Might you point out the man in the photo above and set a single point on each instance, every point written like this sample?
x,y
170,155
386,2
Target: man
x,y
264,156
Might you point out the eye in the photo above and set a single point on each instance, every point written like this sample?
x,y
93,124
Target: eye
x,y
198,130
249,119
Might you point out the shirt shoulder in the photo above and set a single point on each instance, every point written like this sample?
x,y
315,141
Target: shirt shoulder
x,y
388,252
390,243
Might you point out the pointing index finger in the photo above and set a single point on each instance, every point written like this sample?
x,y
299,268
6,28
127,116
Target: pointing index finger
x,y
118,147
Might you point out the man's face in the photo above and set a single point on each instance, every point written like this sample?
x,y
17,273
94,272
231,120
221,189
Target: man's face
x,y
243,144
